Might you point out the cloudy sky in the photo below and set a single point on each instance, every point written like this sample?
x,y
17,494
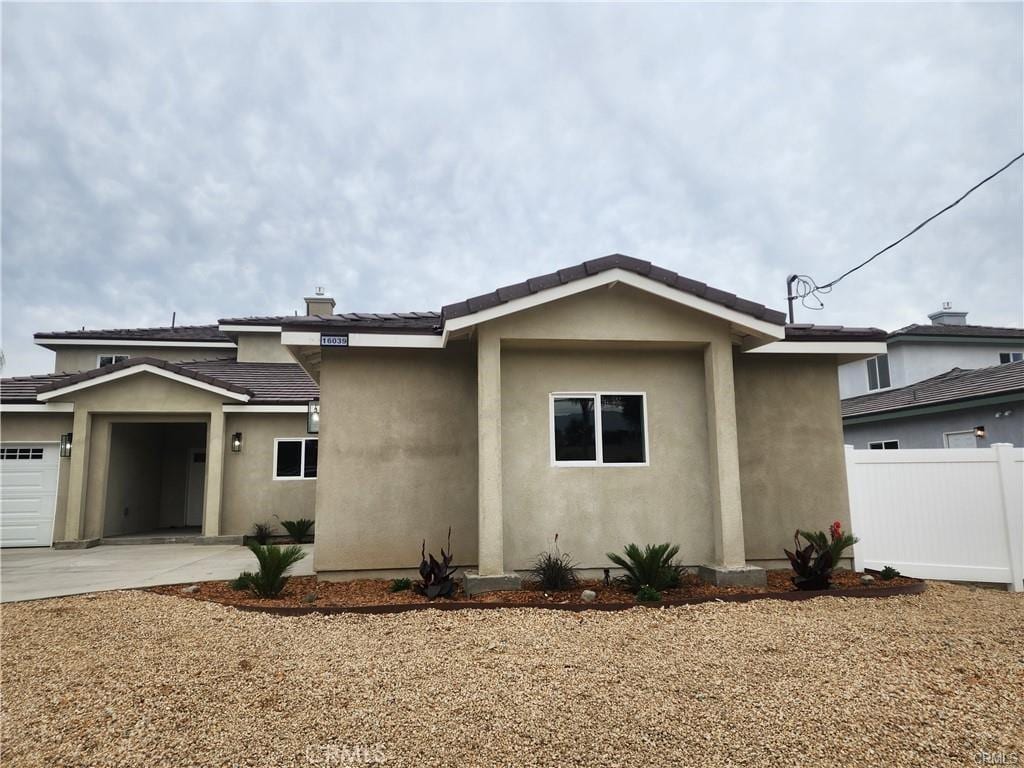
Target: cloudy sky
x,y
222,160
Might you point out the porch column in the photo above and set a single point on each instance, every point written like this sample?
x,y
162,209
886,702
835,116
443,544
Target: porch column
x,y
723,447
214,473
81,438
490,547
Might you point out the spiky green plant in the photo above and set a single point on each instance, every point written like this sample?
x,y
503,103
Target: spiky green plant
x,y
274,561
262,532
400,585
889,573
555,570
653,566
298,529
648,594
241,581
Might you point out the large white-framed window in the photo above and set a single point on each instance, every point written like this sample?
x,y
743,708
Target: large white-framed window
x,y
884,445
598,429
295,458
1010,357
102,361
878,372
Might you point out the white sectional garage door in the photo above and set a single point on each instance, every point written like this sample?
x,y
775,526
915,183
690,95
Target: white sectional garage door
x,y
28,494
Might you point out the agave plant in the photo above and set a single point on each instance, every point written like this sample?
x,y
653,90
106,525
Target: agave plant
x,y
653,566
813,563
297,529
274,561
437,576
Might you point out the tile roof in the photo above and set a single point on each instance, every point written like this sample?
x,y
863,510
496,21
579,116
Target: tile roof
x,y
365,322
807,332
603,264
265,383
962,331
948,387
190,333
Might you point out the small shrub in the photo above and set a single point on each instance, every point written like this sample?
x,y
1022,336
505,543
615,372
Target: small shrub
x,y
889,573
555,570
262,532
241,581
813,564
274,561
436,576
400,585
648,594
652,566
298,530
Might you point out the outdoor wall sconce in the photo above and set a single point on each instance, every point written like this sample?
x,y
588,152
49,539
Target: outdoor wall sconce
x,y
979,431
65,445
236,442
313,417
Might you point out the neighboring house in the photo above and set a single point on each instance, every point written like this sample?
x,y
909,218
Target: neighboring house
x,y
611,402
166,431
956,409
918,352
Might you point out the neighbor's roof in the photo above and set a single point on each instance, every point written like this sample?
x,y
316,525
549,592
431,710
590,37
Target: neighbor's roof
x,y
958,331
949,387
184,333
805,332
264,383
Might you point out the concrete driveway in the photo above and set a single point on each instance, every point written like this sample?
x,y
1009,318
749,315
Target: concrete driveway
x,y
31,574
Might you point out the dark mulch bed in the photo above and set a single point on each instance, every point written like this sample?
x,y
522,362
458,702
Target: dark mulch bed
x,y
374,592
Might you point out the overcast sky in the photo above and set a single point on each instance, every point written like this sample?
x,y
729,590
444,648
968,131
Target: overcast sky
x,y
220,161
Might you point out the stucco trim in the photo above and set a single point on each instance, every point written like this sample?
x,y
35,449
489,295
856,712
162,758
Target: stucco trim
x,y
37,408
44,342
266,408
249,328
136,369
300,338
411,340
740,320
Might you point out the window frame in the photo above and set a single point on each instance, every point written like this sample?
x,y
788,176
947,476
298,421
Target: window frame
x,y
888,372
113,358
882,445
302,458
1010,354
598,432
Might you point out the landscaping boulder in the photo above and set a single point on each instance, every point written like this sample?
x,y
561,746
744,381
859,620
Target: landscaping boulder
x,y
589,595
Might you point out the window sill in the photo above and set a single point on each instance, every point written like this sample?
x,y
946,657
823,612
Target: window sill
x,y
597,464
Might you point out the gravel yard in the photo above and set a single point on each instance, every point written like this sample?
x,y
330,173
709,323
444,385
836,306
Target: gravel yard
x,y
140,679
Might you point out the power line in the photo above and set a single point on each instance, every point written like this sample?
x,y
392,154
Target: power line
x,y
804,287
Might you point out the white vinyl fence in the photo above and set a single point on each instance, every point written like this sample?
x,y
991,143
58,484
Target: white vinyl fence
x,y
952,513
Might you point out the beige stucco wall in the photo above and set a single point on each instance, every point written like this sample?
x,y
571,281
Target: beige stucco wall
x,y
132,502
791,449
596,510
42,428
262,348
251,495
74,359
397,457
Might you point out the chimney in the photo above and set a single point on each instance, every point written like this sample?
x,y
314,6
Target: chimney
x,y
318,303
946,316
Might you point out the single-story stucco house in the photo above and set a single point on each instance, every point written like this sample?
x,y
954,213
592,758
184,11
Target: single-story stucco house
x,y
610,402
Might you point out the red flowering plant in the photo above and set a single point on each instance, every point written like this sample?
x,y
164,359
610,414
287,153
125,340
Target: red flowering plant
x,y
813,563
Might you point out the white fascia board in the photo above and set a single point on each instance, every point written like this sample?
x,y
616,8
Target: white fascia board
x,y
400,340
742,321
861,348
133,343
37,407
145,368
249,328
266,408
300,338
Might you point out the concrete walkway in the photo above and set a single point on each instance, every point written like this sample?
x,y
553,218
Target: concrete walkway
x,y
30,574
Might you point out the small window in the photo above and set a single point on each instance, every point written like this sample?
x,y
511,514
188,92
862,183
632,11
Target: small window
x,y
1010,357
878,372
104,360
21,454
599,429
884,445
295,458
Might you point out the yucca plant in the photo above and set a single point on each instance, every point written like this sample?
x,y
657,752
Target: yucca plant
x,y
274,561
555,570
653,566
297,529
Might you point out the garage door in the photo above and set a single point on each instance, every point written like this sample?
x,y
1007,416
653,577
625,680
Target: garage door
x,y
28,494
